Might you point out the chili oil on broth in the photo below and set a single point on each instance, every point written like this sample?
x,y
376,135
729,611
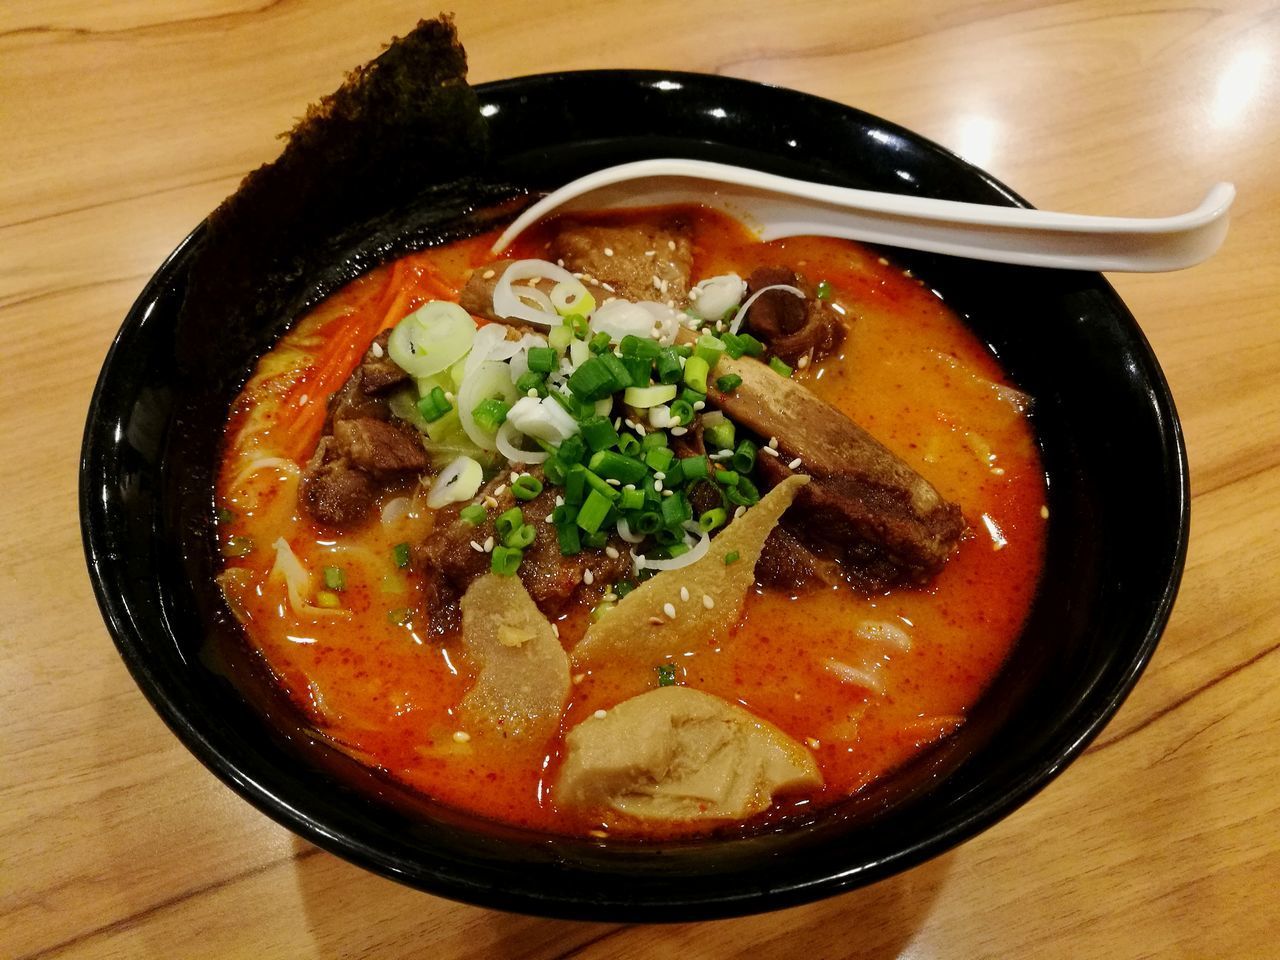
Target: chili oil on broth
x,y
909,371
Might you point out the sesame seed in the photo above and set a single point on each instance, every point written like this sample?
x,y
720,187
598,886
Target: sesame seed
x,y
657,282
610,597
659,475
461,736
739,512
490,502
588,577
773,442
679,431
657,485
487,275
475,545
559,501
699,405
502,488
998,471
609,287
577,677
533,392
555,628
684,594
613,481
671,244
707,601
488,544
617,423
1044,513
600,714
667,493
448,395
630,423
304,398
663,286
640,429
514,476
550,517
813,742
670,610
608,251
376,349
650,253
794,464
802,362
611,552
770,451
560,262
883,262
655,621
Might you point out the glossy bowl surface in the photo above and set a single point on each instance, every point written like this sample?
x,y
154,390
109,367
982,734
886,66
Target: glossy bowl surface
x,y
1118,498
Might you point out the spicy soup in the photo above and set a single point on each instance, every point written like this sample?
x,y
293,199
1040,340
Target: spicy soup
x,y
865,681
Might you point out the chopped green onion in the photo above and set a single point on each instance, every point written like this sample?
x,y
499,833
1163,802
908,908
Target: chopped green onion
x,y
594,510
623,587
578,324
554,470
676,510
683,350
532,381
644,397
335,579
728,478
731,558
509,522
631,500
708,348
668,366
434,405
571,405
744,458
520,537
750,345
574,483
542,359
400,555
609,464
695,373
728,383
655,439
490,414
597,483
713,519
682,411
474,515
618,371
693,468
719,435
659,459
638,369
780,367
629,444
743,493
526,487
505,560
570,542
598,433
733,345
596,540
693,397
639,347
399,616
824,290
225,515
572,450
666,675
648,522
599,343
558,340
591,381
327,598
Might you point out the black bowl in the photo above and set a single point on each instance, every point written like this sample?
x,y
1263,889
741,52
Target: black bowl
x,y
1118,496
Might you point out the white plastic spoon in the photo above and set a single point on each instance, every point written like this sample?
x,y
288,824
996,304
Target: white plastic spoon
x,y
776,207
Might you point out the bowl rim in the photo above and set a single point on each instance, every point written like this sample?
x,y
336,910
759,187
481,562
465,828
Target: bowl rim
x,y
132,645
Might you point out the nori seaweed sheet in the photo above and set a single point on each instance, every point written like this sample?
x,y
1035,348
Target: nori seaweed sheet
x,y
388,163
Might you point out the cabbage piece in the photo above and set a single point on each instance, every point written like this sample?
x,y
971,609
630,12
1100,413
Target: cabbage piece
x,y
676,753
523,671
639,627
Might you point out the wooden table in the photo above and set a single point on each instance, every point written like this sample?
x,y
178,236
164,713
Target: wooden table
x,y
122,124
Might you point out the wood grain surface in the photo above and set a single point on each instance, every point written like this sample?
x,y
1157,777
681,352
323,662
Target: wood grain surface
x,y
123,123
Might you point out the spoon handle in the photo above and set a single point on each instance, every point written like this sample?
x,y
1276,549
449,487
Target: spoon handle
x,y
779,207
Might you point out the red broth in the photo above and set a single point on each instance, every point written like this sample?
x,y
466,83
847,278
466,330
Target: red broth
x,y
375,682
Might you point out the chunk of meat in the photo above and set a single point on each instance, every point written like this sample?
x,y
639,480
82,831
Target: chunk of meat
x,y
378,447
332,490
378,372
640,260
786,563
450,563
676,753
523,676
886,519
789,326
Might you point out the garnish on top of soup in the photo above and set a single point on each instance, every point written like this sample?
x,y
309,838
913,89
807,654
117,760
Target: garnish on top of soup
x,y
588,540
